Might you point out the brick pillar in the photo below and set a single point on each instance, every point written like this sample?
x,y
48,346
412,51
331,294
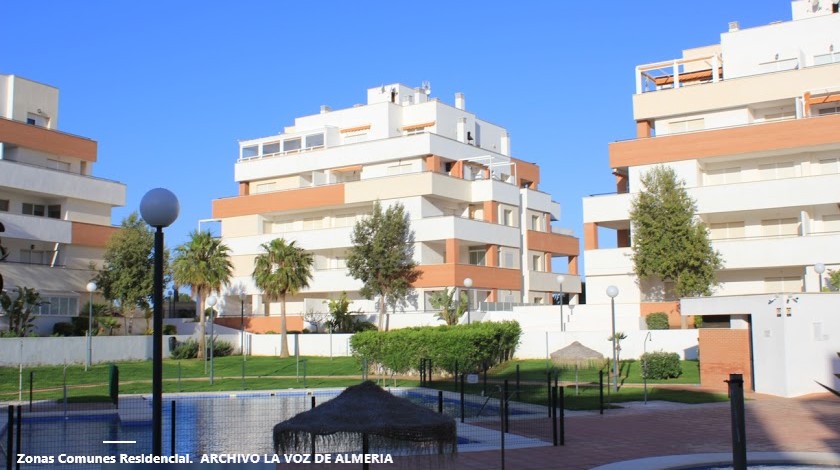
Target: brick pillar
x,y
573,265
491,210
452,251
724,352
244,188
492,256
590,236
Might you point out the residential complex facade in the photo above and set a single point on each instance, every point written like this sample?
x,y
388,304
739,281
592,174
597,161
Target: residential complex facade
x,y
751,126
476,211
56,214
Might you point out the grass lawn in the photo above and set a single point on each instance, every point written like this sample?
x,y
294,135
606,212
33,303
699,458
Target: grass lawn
x,y
261,373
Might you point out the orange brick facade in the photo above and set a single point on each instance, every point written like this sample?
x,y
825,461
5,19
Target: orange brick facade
x,y
724,352
263,324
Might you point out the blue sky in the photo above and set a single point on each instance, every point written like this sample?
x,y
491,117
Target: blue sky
x,y
168,88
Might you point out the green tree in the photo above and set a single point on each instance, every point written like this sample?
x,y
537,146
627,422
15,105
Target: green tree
x,y
836,392
127,274
445,301
284,269
834,278
20,309
203,263
382,256
669,243
342,321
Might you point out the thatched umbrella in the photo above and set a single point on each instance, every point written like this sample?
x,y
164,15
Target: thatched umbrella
x,y
366,414
576,354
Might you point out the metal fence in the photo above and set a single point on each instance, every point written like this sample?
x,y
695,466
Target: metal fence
x,y
86,424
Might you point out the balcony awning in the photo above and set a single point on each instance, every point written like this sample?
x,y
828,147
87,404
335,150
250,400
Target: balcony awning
x,y
355,129
347,169
412,127
44,279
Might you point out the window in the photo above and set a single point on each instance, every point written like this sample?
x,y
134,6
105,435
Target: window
x,y
314,140
33,209
313,223
723,176
270,148
54,211
780,227
831,223
4,205
726,230
36,120
291,145
399,169
344,220
783,284
265,187
829,166
535,223
507,217
68,306
829,58
829,110
35,256
536,263
477,256
250,152
779,170
58,165
687,125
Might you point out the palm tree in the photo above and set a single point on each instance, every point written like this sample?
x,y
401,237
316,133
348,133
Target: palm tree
x,y
203,263
284,268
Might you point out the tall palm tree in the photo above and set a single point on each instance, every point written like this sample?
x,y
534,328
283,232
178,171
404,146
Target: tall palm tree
x,y
203,263
284,268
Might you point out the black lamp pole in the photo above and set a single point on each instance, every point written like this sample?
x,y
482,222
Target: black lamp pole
x,y
157,348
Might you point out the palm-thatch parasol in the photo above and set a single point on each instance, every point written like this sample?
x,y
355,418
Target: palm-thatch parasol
x,y
365,415
577,355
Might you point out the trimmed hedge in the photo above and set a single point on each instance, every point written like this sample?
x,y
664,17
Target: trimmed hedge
x,y
462,347
657,321
661,365
189,349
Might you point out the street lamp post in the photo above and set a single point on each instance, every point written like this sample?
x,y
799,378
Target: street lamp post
x,y
560,279
612,292
648,337
211,302
820,269
91,287
159,208
468,282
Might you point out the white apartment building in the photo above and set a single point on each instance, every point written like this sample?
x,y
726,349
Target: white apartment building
x,y
476,211
751,125
56,214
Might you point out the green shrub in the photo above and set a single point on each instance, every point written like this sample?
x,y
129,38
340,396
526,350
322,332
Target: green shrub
x,y
698,321
360,326
657,321
189,349
661,365
63,329
461,347
170,329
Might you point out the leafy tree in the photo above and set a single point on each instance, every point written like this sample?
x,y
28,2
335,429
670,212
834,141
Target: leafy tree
x,y
382,256
202,263
284,269
619,337
836,392
445,301
127,274
834,278
668,242
20,309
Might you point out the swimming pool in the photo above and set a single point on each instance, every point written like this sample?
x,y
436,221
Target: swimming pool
x,y
224,423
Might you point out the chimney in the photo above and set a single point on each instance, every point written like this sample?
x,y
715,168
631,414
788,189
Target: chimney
x,y
460,102
733,26
461,131
325,109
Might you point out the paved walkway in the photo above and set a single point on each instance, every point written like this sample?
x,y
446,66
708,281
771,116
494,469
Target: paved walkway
x,y
810,424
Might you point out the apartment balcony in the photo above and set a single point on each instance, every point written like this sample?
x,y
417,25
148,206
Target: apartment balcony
x,y
726,93
547,282
317,239
484,277
769,252
46,140
362,153
771,138
333,280
469,230
55,183
29,227
608,261
613,210
554,243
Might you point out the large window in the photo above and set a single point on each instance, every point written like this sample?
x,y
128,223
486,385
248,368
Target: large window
x,y
780,227
291,145
723,176
270,148
772,171
68,306
314,140
477,256
783,284
726,230
4,205
33,209
35,256
686,125
829,166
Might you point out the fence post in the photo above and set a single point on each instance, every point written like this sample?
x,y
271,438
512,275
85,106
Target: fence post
x,y
517,381
18,430
31,377
462,398
502,427
10,436
179,376
548,385
304,371
172,428
114,385
739,438
313,401
554,419
440,401
506,422
562,415
601,391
